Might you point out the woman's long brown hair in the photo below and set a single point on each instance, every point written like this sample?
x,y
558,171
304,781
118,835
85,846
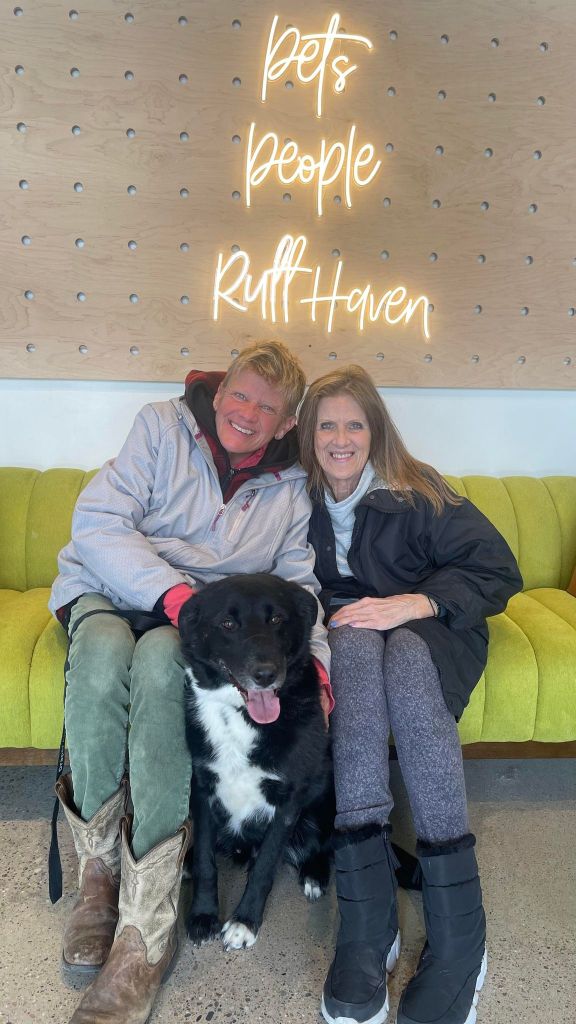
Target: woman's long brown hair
x,y
388,453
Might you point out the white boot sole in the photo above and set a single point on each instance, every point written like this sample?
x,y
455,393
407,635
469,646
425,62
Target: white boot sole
x,y
382,1013
471,1018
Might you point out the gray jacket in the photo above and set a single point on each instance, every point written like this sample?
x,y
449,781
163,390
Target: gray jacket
x,y
154,517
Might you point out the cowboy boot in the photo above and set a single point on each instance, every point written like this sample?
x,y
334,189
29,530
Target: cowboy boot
x,y
146,940
89,933
452,966
368,943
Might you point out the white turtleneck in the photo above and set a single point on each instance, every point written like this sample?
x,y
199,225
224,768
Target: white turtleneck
x,y
342,516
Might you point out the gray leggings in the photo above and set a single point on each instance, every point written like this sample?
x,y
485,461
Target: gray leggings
x,y
389,683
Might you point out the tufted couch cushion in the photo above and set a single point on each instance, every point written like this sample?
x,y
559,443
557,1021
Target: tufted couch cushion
x,y
528,691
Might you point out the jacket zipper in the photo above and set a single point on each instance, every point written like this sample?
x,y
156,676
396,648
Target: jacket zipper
x,y
217,517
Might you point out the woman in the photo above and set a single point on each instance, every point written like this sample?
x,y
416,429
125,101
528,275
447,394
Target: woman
x,y
409,572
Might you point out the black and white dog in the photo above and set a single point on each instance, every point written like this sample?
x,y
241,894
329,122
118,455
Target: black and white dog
x,y
262,786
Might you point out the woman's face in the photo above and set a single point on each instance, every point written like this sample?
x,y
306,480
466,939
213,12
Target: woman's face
x,y
342,442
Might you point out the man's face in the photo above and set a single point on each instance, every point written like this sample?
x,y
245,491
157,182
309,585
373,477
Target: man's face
x,y
249,413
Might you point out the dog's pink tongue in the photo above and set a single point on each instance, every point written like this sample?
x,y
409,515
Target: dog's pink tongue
x,y
263,706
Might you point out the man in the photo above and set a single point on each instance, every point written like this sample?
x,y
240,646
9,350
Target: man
x,y
205,486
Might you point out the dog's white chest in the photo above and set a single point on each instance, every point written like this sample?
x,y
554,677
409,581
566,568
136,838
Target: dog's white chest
x,y
238,782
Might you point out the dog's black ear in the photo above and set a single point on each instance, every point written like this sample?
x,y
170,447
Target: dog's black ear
x,y
188,616
307,606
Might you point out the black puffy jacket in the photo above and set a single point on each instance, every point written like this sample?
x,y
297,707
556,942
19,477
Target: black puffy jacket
x,y
458,557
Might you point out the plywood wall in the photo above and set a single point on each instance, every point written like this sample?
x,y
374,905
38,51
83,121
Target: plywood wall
x,y
124,131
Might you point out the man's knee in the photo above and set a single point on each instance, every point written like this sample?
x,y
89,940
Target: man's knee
x,y
157,666
99,656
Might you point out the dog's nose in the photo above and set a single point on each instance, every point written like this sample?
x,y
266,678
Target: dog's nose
x,y
265,675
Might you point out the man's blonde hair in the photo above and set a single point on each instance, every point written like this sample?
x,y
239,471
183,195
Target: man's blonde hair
x,y
273,361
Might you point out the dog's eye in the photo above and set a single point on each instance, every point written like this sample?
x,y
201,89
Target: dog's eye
x,y
276,620
228,624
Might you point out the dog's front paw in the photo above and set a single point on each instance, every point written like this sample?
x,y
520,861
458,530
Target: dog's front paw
x,y
312,889
203,928
236,935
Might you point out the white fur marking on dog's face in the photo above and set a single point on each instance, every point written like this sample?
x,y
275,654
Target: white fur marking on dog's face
x,y
237,936
232,738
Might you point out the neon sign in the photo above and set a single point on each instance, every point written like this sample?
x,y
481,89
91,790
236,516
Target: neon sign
x,y
315,51
348,162
338,159
236,286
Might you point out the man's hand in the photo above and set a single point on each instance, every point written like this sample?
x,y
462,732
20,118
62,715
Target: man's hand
x,y
382,612
174,599
326,696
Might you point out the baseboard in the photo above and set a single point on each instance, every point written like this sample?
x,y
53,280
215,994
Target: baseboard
x,y
28,756
528,749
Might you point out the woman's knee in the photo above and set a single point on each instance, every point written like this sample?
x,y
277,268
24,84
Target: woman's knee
x,y
409,671
351,641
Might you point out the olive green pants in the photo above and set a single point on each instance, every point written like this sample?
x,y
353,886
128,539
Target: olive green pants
x,y
125,702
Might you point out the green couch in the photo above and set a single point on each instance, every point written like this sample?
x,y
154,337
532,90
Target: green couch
x,y
528,691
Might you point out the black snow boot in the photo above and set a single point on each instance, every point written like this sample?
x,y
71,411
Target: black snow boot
x,y
368,941
452,967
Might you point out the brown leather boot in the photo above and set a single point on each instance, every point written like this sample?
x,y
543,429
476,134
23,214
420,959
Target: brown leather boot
x,y
146,940
89,933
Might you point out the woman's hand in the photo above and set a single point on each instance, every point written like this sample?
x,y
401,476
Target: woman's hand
x,y
382,612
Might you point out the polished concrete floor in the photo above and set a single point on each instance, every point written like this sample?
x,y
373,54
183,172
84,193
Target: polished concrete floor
x,y
523,812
